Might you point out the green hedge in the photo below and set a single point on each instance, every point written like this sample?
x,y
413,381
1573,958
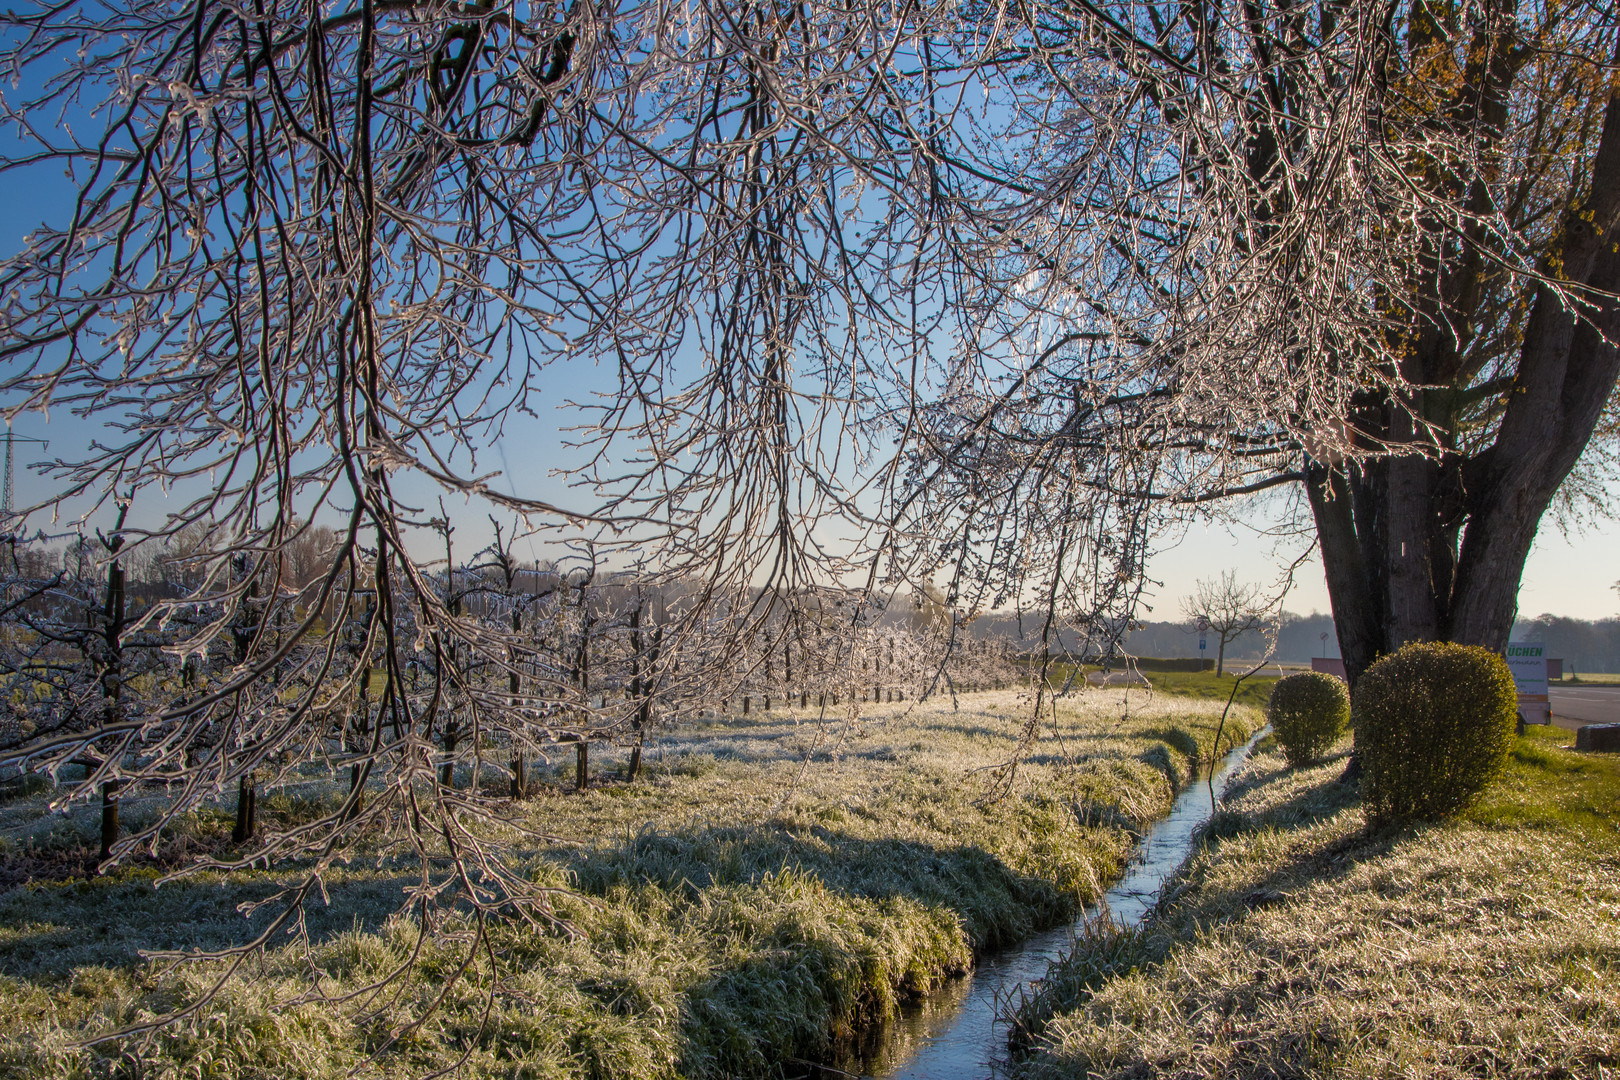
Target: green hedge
x,y
1434,722
1308,711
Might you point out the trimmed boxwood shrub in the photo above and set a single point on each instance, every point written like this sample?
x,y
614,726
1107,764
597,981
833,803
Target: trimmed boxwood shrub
x,y
1434,722
1308,712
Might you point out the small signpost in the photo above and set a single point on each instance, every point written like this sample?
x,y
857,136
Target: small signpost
x,y
1528,662
1203,642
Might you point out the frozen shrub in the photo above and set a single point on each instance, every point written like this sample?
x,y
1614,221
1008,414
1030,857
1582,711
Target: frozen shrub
x,y
1434,722
1308,712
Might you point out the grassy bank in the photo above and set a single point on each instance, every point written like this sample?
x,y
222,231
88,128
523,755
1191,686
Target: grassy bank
x,y
770,885
1298,944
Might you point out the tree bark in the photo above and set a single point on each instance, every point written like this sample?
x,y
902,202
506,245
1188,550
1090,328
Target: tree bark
x,y
112,674
520,779
357,772
109,818
357,779
1431,544
447,771
247,818
643,689
247,821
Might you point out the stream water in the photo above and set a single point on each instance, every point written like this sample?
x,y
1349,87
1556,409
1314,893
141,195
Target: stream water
x,y
952,1034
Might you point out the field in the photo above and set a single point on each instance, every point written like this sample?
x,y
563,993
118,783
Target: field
x,y
1253,690
1299,944
770,885
1207,686
1595,678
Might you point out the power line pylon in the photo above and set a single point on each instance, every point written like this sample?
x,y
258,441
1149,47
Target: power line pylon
x,y
11,439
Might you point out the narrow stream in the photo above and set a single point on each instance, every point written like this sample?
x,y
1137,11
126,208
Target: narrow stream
x,y
951,1034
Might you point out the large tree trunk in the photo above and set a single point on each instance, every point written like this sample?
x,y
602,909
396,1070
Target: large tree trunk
x,y
1431,545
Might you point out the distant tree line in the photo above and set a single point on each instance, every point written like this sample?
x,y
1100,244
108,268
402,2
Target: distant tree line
x,y
1585,645
1298,639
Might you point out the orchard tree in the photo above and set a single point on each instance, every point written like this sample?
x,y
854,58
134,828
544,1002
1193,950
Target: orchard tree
x,y
1228,609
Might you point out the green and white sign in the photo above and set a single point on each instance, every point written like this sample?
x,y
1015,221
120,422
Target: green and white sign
x,y
1528,662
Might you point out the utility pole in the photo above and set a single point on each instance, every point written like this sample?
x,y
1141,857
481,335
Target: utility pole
x,y
7,497
7,533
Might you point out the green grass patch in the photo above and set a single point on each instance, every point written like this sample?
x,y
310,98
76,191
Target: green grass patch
x,y
1548,786
1255,691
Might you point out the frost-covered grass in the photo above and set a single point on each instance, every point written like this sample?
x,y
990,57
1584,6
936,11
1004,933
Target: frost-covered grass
x,y
1298,944
769,885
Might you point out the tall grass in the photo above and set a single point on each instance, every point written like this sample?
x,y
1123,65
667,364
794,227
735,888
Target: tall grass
x,y
768,888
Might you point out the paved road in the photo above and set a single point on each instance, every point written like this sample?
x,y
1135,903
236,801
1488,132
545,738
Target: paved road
x,y
1575,706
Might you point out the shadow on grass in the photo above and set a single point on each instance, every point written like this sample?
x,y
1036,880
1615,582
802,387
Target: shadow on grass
x,y
58,915
995,903
805,934
1544,787
51,928
1177,738
811,981
1194,902
1309,808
